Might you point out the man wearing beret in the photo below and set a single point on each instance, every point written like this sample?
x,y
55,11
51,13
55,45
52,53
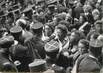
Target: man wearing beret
x,y
90,62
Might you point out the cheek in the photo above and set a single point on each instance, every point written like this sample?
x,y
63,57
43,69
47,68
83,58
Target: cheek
x,y
98,27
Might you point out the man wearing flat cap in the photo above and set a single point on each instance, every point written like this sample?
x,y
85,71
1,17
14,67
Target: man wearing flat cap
x,y
90,62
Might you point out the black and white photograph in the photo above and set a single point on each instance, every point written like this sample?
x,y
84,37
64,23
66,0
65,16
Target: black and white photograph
x,y
51,36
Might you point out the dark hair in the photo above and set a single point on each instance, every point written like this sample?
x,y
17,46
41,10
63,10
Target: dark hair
x,y
67,24
85,43
63,28
50,26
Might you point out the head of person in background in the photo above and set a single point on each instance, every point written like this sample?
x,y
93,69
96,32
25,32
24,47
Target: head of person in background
x,y
69,18
87,9
40,11
83,46
66,23
40,3
94,36
82,19
99,26
96,14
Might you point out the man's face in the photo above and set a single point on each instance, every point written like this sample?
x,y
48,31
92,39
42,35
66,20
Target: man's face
x,y
98,27
48,30
73,37
82,48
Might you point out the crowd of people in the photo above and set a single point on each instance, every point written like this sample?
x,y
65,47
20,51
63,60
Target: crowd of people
x,y
53,36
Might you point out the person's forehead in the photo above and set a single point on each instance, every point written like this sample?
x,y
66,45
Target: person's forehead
x,y
80,44
58,30
98,25
46,26
73,33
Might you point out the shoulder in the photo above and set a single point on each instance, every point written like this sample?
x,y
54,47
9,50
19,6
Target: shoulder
x,y
88,64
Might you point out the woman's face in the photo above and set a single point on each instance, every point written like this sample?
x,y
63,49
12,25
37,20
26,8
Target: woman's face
x,y
48,30
82,48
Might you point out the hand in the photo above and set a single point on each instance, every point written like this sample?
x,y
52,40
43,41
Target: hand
x,y
66,54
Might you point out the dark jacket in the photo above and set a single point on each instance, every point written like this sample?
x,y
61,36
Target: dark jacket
x,y
88,64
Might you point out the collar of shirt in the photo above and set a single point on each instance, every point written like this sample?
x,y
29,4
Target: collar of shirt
x,y
93,57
